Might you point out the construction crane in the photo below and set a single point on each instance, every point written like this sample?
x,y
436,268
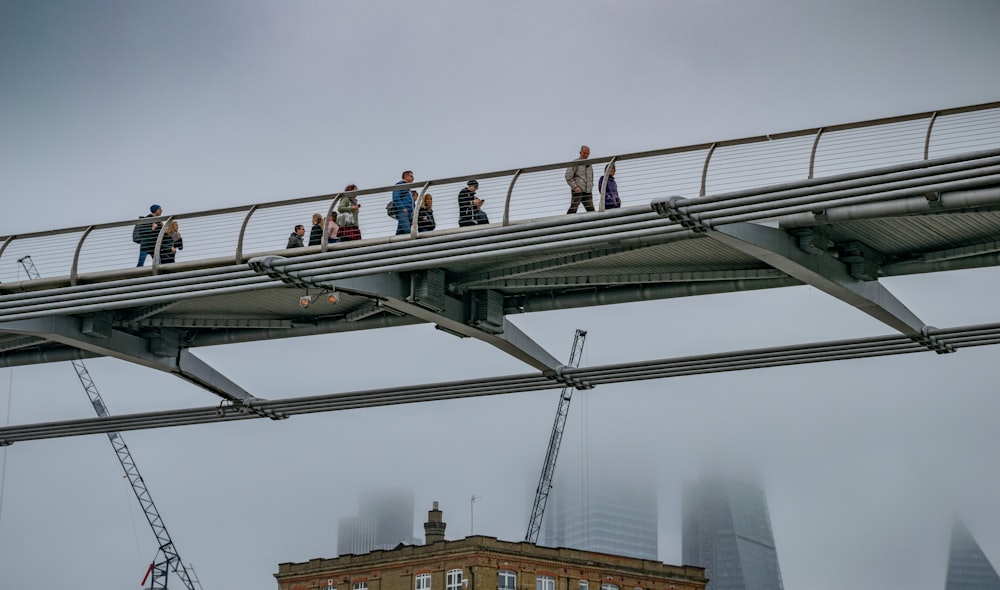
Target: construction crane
x,y
549,467
166,557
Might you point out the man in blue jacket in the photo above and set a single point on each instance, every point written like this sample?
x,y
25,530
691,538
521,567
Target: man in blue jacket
x,y
403,201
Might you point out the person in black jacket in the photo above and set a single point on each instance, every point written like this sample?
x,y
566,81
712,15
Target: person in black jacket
x,y
425,216
172,242
469,204
145,234
316,233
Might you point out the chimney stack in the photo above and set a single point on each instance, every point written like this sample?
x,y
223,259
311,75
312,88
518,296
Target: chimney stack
x,y
434,527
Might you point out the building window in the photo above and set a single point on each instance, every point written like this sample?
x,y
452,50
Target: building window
x,y
609,587
583,585
453,581
360,586
545,583
423,582
506,580
329,585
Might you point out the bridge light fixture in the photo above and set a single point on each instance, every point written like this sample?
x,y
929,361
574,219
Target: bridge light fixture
x,y
305,300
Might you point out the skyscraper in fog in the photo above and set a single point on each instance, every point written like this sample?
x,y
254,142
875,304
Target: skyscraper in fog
x,y
726,529
968,567
385,519
612,514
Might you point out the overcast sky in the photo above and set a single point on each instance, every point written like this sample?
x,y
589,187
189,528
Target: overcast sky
x,y
107,106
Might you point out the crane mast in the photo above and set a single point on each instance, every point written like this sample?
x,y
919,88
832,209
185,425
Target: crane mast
x,y
166,557
555,439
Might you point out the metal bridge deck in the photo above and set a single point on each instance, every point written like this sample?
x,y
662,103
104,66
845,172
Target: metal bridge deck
x,y
838,233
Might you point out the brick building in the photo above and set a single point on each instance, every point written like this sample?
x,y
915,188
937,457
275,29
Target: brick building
x,y
484,563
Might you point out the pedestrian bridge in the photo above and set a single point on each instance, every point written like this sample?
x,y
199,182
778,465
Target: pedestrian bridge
x,y
835,207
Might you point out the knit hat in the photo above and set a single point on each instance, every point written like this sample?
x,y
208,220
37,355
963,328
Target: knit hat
x,y
473,183
154,208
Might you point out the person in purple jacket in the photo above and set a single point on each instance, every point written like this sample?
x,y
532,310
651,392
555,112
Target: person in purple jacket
x,y
611,198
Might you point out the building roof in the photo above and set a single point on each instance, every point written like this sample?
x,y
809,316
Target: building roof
x,y
478,545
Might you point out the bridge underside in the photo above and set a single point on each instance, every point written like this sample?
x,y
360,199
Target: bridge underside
x,y
467,283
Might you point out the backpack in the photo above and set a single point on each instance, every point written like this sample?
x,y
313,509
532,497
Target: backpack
x,y
390,209
136,234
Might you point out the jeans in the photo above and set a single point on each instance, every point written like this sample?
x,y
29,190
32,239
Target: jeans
x,y
404,219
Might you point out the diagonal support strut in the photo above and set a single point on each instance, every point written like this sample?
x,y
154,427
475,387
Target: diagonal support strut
x,y
780,251
134,349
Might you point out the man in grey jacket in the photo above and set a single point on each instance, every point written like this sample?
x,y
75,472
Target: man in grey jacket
x,y
580,179
295,240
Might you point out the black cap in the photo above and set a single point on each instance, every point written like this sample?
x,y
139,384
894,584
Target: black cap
x,y
473,182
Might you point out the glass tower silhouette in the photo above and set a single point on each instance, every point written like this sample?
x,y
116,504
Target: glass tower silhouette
x,y
384,521
606,513
726,529
968,567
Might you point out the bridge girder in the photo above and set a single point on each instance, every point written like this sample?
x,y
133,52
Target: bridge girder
x,y
67,330
781,251
421,295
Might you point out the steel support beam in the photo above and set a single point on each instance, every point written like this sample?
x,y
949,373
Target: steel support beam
x,y
486,278
395,292
38,356
23,342
638,278
134,349
781,251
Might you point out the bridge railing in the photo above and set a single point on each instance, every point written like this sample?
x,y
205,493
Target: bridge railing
x,y
237,233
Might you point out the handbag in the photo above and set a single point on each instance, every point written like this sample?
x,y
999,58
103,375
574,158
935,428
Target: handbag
x,y
346,218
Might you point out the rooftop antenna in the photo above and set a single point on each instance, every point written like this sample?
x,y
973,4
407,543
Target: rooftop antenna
x,y
472,514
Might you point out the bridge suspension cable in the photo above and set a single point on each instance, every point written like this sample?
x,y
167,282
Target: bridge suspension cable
x,y
938,339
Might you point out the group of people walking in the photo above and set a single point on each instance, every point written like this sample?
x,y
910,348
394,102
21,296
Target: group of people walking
x,y
343,225
403,206
579,177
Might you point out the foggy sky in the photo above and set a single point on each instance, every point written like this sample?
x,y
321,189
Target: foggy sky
x,y
108,106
